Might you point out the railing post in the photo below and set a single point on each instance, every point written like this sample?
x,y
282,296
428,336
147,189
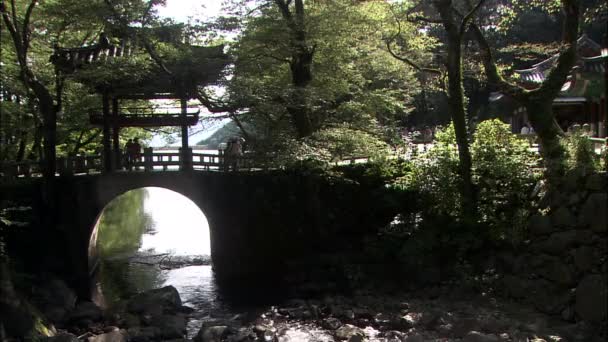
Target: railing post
x,y
185,158
148,156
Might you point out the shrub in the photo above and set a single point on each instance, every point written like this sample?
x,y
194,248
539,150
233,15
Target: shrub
x,y
503,174
580,154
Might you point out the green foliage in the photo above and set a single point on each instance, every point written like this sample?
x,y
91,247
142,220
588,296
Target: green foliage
x,y
122,224
503,174
580,154
323,148
355,80
503,168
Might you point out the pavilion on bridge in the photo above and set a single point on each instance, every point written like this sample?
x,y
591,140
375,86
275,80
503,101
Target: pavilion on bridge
x,y
175,78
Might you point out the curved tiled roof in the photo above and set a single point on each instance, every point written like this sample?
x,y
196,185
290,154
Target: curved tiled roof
x,y
538,72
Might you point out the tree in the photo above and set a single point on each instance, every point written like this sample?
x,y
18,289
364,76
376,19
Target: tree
x,y
538,102
20,31
454,25
355,84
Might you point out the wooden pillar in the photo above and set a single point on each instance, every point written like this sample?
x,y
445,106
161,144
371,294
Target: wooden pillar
x,y
107,151
185,157
115,137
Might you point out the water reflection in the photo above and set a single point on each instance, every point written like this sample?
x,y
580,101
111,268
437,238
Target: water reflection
x,y
149,222
178,225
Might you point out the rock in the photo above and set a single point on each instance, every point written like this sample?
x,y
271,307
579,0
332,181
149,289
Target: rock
x,y
540,225
593,212
584,258
596,182
86,311
55,299
474,336
394,336
62,338
592,298
563,218
331,323
143,334
408,321
115,336
348,331
557,243
515,287
464,325
130,321
558,271
212,334
149,301
170,326
548,297
430,319
568,314
414,338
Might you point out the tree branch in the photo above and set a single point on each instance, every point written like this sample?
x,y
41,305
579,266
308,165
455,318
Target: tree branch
x,y
468,17
558,76
410,62
26,23
489,65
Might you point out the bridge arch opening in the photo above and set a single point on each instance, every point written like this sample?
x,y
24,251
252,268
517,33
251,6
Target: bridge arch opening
x,y
141,233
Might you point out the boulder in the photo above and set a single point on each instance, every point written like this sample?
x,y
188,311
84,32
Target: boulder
x,y
475,336
558,243
540,225
149,301
331,323
170,326
514,286
212,334
415,337
593,212
86,311
548,297
55,299
584,258
596,182
114,336
592,298
563,218
144,334
65,337
556,270
348,331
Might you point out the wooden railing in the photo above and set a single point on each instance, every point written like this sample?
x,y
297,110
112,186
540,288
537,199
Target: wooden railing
x,y
171,160
147,161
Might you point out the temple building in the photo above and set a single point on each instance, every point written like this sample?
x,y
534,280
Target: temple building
x,y
582,99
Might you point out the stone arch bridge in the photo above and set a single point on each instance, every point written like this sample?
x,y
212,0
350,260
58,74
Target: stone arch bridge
x,y
257,220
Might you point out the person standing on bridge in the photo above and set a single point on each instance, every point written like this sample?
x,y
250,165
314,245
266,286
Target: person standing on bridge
x,y
136,151
128,154
233,151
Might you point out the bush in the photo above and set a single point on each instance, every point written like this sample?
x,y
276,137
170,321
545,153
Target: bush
x,y
580,154
503,174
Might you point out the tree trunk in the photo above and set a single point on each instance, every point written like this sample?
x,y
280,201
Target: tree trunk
x,y
22,144
456,102
300,66
36,153
540,114
539,102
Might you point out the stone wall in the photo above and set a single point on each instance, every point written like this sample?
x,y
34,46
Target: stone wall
x,y
563,267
